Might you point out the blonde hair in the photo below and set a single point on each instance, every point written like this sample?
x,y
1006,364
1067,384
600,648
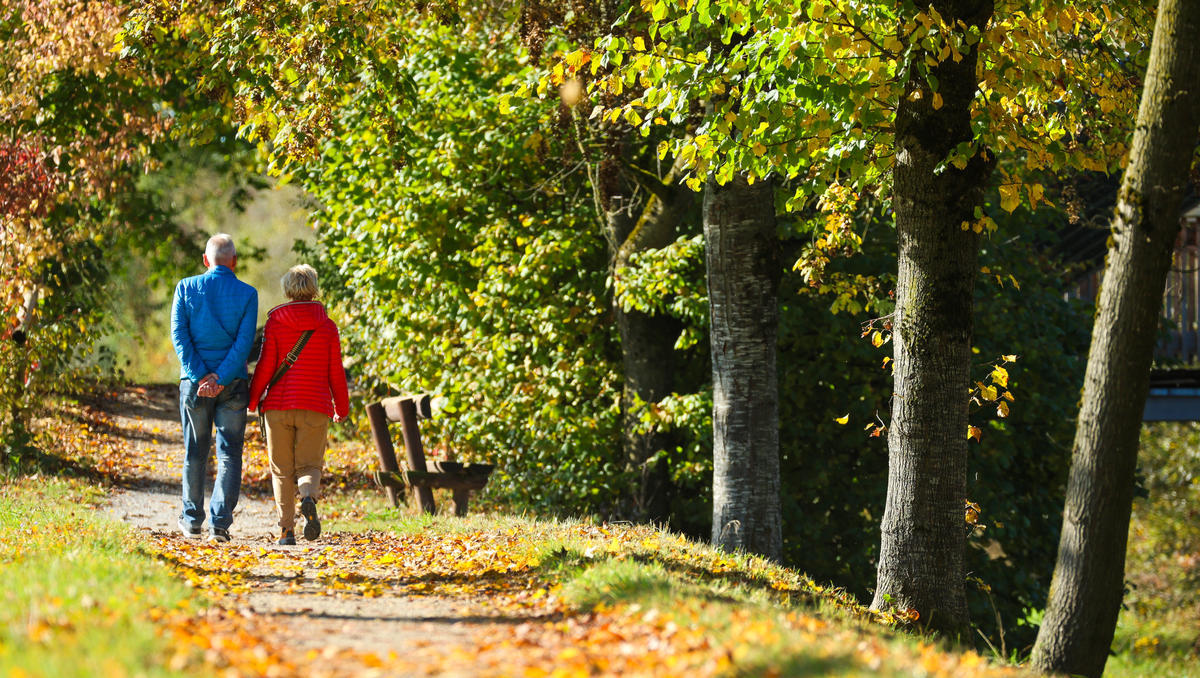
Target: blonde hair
x,y
300,283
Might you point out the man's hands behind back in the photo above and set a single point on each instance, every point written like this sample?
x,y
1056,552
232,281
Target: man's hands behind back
x,y
209,387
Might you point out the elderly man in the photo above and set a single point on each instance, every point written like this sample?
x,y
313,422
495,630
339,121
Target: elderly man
x,y
212,327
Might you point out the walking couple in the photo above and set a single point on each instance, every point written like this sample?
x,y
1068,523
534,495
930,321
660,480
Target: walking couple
x,y
298,385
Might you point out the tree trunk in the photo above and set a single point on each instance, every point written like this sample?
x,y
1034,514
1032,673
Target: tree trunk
x,y
648,353
648,356
743,262
1085,594
923,529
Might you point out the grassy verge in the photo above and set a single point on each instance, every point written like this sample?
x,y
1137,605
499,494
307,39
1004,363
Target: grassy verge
x,y
77,598
1163,647
711,613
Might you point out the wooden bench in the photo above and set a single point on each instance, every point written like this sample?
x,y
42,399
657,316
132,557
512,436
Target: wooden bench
x,y
418,478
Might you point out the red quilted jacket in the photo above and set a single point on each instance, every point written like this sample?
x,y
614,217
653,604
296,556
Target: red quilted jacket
x,y
317,381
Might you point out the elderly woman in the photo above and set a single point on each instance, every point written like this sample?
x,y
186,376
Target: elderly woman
x,y
297,402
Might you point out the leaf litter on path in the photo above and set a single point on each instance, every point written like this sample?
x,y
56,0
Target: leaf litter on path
x,y
447,600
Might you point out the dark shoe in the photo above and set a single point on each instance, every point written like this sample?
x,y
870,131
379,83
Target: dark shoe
x,y
312,524
218,534
188,530
288,538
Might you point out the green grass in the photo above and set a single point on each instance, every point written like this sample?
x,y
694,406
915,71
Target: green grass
x,y
77,597
1154,646
766,619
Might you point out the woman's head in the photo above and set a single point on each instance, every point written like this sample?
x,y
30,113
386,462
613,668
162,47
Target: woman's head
x,y
300,283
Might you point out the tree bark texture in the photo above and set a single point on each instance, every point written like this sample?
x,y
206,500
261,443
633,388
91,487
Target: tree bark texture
x,y
1085,594
743,263
923,529
648,356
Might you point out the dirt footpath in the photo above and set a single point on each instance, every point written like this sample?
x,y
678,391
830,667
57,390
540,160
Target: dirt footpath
x,y
311,617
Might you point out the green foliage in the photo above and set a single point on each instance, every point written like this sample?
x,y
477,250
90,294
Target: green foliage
x,y
668,281
1017,469
85,126
466,265
1163,564
55,347
810,92
1156,632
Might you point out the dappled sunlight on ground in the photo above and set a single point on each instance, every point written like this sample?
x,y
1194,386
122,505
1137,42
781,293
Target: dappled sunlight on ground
x,y
484,595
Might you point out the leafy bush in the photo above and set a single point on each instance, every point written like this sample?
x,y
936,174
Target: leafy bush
x,y
1164,546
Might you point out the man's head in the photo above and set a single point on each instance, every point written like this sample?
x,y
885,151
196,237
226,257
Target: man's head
x,y
220,251
300,283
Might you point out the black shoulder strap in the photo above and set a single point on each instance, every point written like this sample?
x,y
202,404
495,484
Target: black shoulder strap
x,y
288,361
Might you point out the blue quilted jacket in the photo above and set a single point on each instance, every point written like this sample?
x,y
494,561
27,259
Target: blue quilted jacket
x,y
213,318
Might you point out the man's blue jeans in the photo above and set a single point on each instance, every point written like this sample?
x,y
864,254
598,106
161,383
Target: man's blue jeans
x,y
227,412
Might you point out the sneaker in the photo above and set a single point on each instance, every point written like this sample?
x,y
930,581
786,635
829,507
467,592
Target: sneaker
x,y
312,524
288,538
190,531
218,534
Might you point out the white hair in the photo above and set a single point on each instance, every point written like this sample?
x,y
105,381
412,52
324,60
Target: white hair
x,y
220,250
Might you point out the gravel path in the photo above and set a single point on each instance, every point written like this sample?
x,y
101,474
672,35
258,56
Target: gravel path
x,y
309,620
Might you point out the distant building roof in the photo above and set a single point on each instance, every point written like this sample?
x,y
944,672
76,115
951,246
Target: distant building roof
x,y
1192,214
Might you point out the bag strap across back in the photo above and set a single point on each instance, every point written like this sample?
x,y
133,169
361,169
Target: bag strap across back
x,y
286,364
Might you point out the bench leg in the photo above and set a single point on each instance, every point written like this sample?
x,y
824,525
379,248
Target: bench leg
x,y
415,452
424,499
461,499
383,445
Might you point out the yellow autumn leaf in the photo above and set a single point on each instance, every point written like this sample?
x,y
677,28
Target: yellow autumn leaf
x,y
1010,358
1000,376
1002,409
974,432
577,58
843,419
1037,193
937,100
1010,197
988,392
759,149
972,513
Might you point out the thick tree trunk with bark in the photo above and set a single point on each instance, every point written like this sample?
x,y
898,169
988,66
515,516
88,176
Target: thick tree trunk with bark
x,y
743,263
1085,594
923,529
